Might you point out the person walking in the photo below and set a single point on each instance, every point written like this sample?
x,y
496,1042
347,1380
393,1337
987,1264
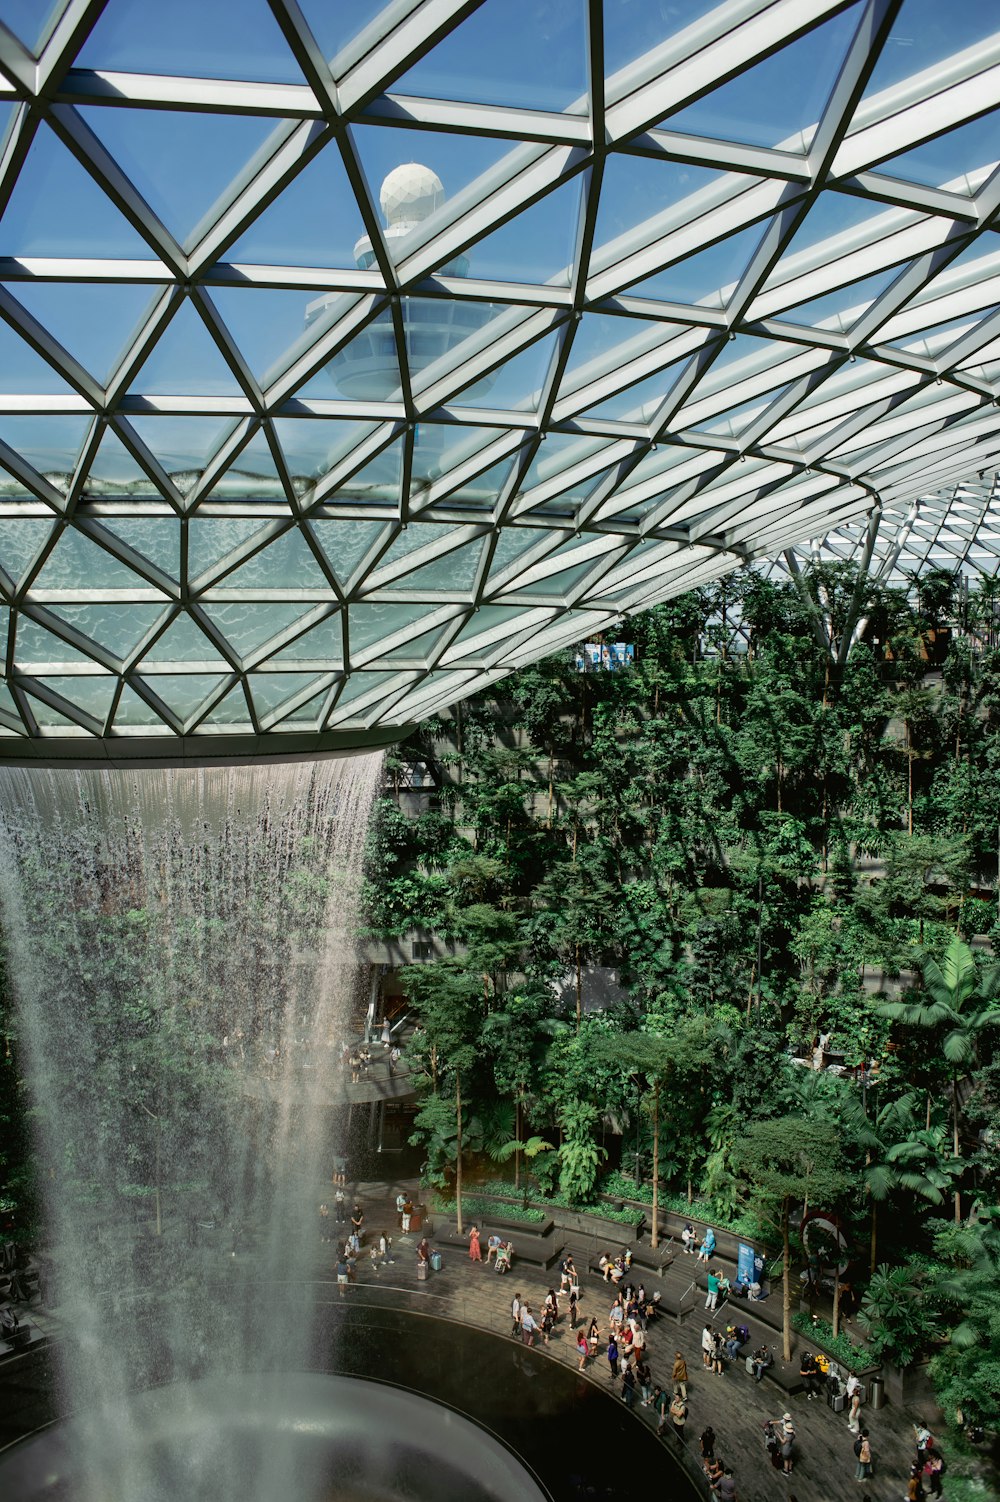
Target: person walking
x,y
660,1405
593,1336
613,1358
574,1300
854,1401
708,1443
582,1350
678,1416
644,1378
679,1375
529,1325
863,1455
475,1250
628,1387
515,1314
707,1346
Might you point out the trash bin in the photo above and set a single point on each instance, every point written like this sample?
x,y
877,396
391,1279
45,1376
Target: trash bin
x,y
416,1220
877,1397
436,1261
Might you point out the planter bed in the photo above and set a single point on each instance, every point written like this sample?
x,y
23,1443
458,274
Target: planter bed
x,y
611,1235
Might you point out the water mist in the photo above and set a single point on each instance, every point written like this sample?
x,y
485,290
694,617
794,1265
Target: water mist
x,y
181,945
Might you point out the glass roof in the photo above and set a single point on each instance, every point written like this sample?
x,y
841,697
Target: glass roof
x,y
351,357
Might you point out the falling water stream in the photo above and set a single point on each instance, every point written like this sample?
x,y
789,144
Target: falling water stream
x,y
181,943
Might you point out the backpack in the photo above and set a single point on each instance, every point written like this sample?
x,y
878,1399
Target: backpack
x,y
743,1334
857,1446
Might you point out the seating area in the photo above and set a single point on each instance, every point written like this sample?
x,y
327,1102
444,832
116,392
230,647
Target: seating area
x,y
20,1284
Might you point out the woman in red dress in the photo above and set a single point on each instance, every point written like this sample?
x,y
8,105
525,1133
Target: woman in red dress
x,y
474,1250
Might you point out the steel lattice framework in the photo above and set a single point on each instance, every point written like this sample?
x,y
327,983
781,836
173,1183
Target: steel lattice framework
x,y
277,476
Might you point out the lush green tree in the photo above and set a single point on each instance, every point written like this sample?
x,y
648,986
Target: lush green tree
x,y
786,1162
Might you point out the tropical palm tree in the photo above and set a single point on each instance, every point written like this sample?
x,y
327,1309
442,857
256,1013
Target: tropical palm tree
x,y
962,1003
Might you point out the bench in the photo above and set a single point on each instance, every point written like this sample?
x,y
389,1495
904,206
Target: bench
x,y
541,1248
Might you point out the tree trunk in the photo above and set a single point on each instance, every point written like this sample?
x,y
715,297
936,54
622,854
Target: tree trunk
x,y
836,1289
517,1139
159,1215
458,1154
874,1239
786,1286
579,991
957,1146
655,1232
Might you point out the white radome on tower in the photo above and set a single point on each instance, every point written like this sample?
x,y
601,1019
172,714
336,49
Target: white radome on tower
x,y
410,193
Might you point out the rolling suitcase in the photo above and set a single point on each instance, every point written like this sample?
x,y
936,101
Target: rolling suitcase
x,y
436,1261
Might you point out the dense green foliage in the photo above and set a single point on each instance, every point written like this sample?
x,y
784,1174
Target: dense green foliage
x,y
781,824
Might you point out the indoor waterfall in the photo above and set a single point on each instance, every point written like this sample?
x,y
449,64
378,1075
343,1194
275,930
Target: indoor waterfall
x,y
182,946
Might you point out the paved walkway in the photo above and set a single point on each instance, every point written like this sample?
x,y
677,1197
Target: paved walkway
x,y
733,1404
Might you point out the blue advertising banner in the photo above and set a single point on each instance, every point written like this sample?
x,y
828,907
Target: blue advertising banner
x,y
744,1264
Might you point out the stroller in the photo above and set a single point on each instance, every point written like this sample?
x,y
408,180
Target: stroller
x,y
772,1443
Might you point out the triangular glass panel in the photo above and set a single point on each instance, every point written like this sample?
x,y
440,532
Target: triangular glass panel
x,y
76,564
513,543
269,690
534,246
637,191
51,444
452,574
182,445
183,162
114,472
832,214
308,713
412,201
184,641
638,403
632,29
323,645
312,446
554,584
778,101
359,684
365,370
133,712
91,694
235,40
410,539
230,710
441,337
21,369
21,540
345,543
273,326
92,320
336,26
603,343
57,209
117,628
183,693
4,633
735,420
378,480
252,475
503,620
286,563
369,624
185,361
508,52
157,538
924,33
706,279
442,446
559,452
247,627
416,653
35,647
516,385
955,157
30,21
840,309
315,221
51,719
213,538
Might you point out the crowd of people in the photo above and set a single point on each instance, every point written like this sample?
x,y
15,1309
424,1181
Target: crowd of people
x,y
624,1336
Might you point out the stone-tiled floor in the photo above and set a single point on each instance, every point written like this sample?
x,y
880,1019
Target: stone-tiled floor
x,y
735,1406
